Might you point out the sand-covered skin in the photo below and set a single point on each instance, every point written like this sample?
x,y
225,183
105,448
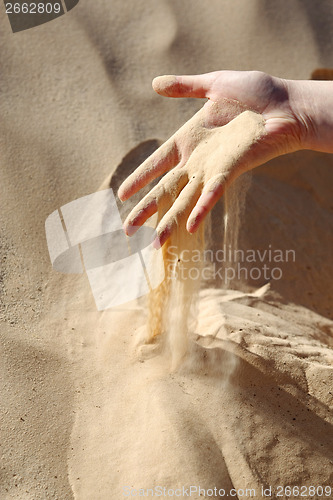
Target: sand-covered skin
x,y
81,415
204,156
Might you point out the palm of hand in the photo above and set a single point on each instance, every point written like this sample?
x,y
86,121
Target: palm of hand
x,y
220,142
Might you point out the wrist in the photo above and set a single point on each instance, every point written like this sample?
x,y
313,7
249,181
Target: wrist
x,y
312,104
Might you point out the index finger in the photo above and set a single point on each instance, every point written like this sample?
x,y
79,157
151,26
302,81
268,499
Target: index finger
x,y
162,160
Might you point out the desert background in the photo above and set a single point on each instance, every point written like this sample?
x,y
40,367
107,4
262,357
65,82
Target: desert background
x,y
82,414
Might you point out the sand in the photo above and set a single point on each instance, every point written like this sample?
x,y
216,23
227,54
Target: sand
x,y
203,159
86,411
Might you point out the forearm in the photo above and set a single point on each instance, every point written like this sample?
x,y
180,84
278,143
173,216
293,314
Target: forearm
x,y
312,103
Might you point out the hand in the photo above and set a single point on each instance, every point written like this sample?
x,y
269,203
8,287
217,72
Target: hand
x,y
247,120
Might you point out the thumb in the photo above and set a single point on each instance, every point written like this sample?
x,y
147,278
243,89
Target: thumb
x,y
184,86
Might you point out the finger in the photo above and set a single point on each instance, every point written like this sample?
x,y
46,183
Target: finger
x,y
139,215
171,184
179,210
162,160
184,86
211,193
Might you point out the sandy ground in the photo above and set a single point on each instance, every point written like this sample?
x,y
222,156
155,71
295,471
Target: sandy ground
x,y
83,415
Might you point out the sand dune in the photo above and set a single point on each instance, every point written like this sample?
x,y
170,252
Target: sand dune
x,y
86,408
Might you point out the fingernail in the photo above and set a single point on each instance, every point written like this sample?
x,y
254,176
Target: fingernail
x,y
192,222
157,243
191,227
130,229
